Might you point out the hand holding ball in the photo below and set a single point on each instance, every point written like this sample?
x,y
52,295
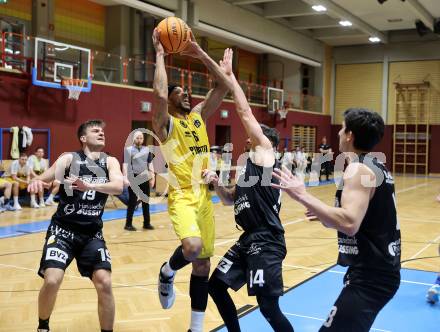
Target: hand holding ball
x,y
174,34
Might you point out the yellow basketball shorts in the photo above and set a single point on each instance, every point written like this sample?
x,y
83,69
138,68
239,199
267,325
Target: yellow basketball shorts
x,y
193,216
21,185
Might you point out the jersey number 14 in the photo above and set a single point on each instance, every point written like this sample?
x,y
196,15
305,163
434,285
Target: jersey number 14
x,y
257,278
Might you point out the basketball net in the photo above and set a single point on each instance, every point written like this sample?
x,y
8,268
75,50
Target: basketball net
x,y
282,112
74,86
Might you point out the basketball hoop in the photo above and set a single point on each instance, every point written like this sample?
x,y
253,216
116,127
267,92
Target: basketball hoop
x,y
282,112
74,86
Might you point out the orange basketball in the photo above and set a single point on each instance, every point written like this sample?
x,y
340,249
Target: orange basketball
x,y
174,34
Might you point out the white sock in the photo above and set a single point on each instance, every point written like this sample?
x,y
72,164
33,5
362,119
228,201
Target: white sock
x,y
16,200
167,271
50,198
33,201
197,318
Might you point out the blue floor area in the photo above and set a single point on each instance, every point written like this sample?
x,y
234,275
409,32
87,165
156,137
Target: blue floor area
x,y
307,305
41,226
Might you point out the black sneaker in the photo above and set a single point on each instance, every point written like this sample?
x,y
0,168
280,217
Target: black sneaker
x,y
130,228
148,226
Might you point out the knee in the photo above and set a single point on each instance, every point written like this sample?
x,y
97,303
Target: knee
x,y
201,267
192,247
216,288
52,281
268,307
103,283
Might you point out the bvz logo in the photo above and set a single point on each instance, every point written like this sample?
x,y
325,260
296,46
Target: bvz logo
x,y
183,123
197,123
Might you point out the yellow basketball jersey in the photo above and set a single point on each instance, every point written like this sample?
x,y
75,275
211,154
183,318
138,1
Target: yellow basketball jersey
x,y
186,151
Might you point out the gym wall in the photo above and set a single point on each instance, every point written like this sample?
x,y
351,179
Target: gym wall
x,y
80,22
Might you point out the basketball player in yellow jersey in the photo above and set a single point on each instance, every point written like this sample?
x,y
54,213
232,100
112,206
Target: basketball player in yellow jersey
x,y
185,146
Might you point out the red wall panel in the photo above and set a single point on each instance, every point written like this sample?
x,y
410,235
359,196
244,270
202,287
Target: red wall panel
x,y
118,107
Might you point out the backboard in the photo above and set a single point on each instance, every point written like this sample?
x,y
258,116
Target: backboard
x,y
55,61
275,99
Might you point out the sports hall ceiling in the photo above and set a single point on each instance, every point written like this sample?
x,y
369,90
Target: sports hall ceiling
x,y
368,17
388,20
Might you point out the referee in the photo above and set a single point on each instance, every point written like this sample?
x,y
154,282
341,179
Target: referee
x,y
139,158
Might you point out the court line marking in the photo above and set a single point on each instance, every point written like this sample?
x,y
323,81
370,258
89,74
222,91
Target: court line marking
x,y
342,272
322,320
83,278
418,220
293,222
411,188
435,241
141,320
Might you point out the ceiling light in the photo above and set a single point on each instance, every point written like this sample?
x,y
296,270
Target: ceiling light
x,y
345,23
319,8
374,39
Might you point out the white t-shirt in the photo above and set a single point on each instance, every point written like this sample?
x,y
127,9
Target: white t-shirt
x,y
16,169
37,165
300,156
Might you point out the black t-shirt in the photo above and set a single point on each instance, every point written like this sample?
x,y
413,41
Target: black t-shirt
x,y
82,211
256,203
377,245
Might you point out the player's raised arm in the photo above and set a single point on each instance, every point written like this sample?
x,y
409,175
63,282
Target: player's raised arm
x,y
250,123
161,116
215,96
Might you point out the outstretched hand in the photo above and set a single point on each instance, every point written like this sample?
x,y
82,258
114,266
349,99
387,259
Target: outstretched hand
x,y
77,184
156,42
226,62
291,184
192,49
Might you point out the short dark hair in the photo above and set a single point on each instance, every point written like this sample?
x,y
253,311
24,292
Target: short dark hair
x,y
272,134
367,127
23,154
38,148
171,88
89,123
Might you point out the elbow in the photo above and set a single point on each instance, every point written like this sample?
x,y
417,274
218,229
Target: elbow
x,y
160,95
351,229
119,188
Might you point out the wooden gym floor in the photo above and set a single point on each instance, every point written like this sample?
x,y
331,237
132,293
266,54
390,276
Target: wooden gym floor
x,y
137,256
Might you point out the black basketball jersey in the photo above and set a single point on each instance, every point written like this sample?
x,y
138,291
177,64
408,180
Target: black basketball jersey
x,y
256,203
376,246
82,211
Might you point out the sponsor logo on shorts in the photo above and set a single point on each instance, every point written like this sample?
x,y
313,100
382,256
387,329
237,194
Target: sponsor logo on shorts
x,y
254,249
60,232
224,265
51,239
56,254
394,248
